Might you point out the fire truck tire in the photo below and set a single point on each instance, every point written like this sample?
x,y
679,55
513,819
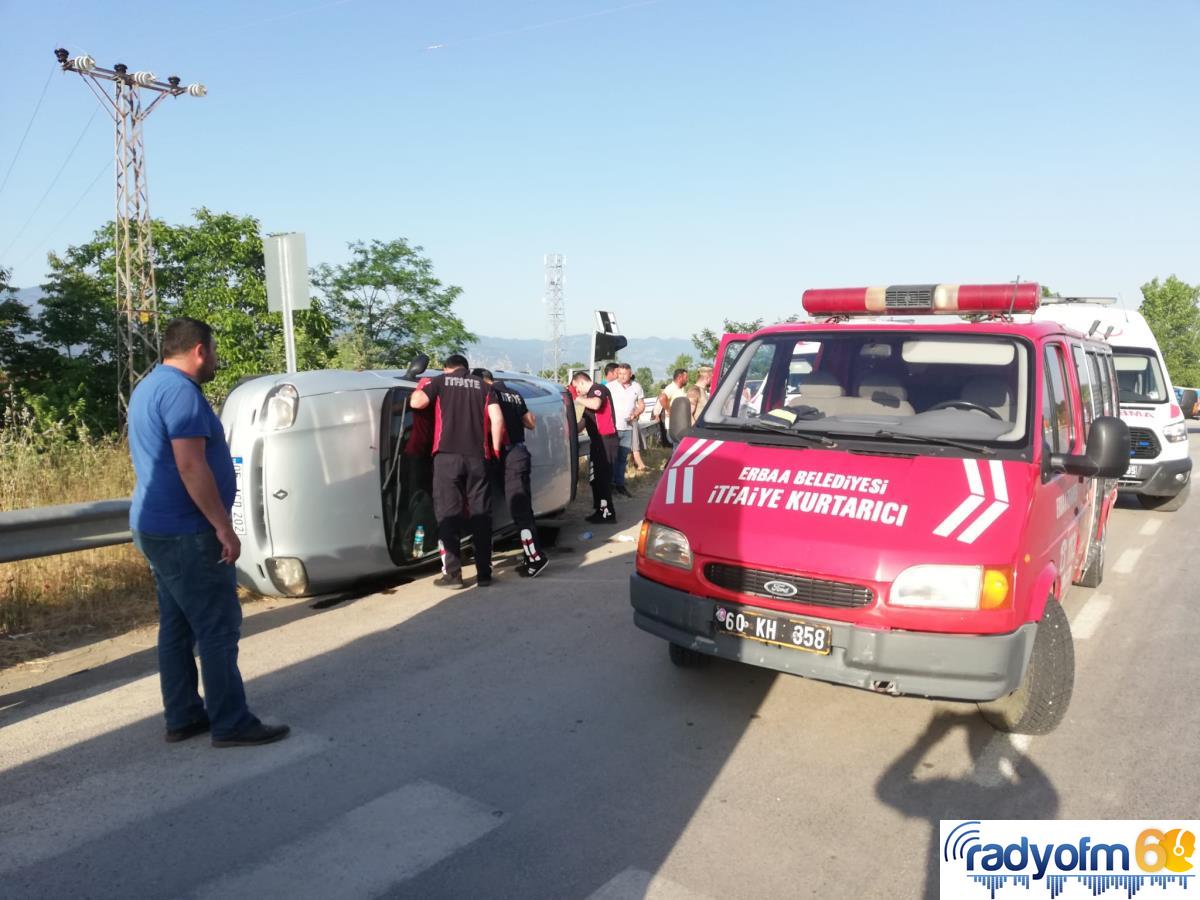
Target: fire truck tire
x,y
687,658
1166,504
1093,568
1040,702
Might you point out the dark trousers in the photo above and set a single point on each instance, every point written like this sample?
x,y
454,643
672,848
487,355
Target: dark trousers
x,y
197,608
624,446
517,465
601,454
462,495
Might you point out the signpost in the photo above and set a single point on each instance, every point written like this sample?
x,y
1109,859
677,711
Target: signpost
x,y
287,283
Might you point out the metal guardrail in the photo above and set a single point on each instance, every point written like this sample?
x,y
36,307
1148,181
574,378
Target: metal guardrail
x,y
48,530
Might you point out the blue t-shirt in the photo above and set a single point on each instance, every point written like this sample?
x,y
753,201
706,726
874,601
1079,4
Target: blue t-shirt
x,y
166,405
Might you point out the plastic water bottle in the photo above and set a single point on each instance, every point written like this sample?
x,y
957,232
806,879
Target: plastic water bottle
x,y
419,541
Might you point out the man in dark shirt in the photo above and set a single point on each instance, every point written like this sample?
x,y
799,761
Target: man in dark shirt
x,y
467,426
514,457
180,518
601,424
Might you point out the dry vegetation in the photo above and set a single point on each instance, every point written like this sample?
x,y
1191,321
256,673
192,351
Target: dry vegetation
x,y
60,601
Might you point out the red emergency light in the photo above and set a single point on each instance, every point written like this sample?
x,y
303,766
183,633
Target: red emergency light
x,y
923,299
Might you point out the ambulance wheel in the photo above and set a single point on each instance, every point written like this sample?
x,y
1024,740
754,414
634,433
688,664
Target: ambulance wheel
x,y
1165,504
1093,568
1040,701
686,658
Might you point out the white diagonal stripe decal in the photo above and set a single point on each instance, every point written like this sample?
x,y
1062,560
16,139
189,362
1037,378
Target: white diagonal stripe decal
x,y
687,484
713,445
670,485
974,481
980,525
688,452
959,515
999,485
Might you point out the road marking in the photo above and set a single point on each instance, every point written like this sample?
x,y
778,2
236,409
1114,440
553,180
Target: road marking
x,y
364,852
1127,561
637,884
1150,527
996,765
48,824
1088,619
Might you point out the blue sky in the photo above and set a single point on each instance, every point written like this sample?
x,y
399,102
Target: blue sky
x,y
693,159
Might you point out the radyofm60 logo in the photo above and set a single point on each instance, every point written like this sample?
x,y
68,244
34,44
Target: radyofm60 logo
x,y
1064,856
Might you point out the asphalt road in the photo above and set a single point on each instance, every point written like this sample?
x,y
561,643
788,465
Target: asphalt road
x,y
527,741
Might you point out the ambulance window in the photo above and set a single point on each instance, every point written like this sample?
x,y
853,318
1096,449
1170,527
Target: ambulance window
x,y
1062,421
1087,397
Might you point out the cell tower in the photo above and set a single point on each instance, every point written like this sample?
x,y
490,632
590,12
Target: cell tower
x,y
138,341
555,314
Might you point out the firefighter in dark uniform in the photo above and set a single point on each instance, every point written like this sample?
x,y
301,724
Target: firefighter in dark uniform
x,y
600,421
467,422
516,465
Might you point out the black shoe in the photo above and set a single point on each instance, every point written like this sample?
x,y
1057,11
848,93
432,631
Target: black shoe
x,y
174,736
483,580
599,518
622,490
254,736
533,567
453,582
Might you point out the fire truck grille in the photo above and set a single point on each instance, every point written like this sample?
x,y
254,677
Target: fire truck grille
x,y
789,588
1143,444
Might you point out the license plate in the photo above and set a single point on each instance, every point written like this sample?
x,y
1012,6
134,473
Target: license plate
x,y
781,631
238,513
1133,472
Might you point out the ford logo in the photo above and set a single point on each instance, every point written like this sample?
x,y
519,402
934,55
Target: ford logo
x,y
780,588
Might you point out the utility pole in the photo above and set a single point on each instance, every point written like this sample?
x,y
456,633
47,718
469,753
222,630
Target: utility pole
x,y
555,313
138,339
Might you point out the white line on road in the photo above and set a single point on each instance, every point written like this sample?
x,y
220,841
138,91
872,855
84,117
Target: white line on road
x,y
637,884
997,763
1150,527
1127,561
51,823
369,849
1088,619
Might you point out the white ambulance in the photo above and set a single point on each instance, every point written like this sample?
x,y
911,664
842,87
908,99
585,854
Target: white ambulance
x,y
1160,469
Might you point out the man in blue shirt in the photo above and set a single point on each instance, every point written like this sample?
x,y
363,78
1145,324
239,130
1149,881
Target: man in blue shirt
x,y
180,522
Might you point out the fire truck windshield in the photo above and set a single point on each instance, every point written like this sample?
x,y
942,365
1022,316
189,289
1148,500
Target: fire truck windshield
x,y
887,386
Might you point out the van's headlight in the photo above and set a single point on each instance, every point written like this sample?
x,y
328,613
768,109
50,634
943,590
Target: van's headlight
x,y
1176,433
665,545
288,575
952,587
279,409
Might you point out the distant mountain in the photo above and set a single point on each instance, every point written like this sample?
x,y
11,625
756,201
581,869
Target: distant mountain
x,y
529,355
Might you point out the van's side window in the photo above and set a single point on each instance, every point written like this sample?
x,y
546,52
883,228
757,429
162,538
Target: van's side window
x,y
746,399
1087,396
1102,398
1060,406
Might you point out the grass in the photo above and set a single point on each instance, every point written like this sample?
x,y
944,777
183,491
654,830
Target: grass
x,y
57,602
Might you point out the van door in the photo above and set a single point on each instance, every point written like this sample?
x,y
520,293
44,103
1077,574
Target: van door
x,y
727,353
1062,433
1091,391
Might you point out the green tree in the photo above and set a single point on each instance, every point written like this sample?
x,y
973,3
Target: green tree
x,y
386,306
565,370
707,342
645,378
16,329
1171,311
682,361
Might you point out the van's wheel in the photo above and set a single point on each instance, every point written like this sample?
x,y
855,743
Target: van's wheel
x,y
1093,567
686,658
1165,504
1040,701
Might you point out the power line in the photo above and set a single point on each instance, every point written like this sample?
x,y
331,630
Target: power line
x,y
36,107
53,182
74,206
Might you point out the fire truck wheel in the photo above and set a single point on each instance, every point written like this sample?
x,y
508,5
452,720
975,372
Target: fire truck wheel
x,y
1165,504
687,658
1093,568
1040,702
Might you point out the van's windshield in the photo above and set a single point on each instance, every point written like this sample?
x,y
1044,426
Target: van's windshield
x,y
883,386
1139,376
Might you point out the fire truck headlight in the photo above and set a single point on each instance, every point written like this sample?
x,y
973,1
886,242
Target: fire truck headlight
x,y
938,587
668,546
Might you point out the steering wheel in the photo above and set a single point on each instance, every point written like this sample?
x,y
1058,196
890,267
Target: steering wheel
x,y
966,404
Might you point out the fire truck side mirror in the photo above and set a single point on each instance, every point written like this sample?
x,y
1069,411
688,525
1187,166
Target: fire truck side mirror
x,y
1107,453
680,422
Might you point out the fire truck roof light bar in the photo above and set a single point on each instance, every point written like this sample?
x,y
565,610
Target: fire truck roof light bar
x,y
926,299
